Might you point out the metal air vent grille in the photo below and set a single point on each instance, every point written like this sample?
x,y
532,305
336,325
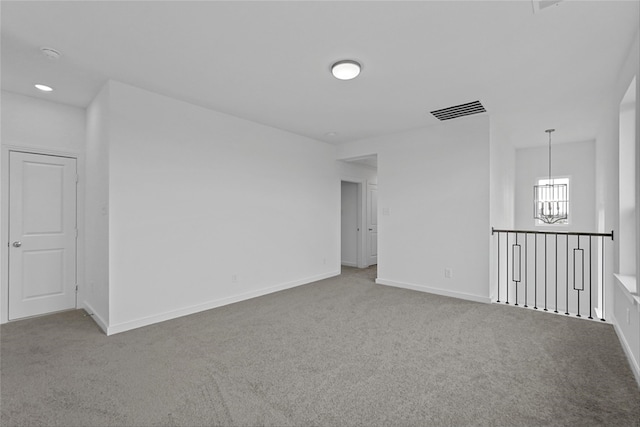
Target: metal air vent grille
x,y
461,110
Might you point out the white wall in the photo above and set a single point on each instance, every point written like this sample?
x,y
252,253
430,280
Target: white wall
x,y
38,126
433,207
349,224
627,190
503,178
608,205
575,160
36,123
356,172
95,292
206,209
502,188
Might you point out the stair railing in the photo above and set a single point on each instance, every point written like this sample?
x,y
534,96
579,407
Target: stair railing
x,y
552,269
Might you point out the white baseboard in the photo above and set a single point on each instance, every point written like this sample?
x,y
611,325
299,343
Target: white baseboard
x,y
635,366
96,317
349,264
437,291
598,311
145,321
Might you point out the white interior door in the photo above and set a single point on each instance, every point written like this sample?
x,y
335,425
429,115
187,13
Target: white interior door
x,y
42,233
372,224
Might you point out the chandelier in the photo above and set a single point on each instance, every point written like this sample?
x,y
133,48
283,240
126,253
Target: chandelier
x,y
550,200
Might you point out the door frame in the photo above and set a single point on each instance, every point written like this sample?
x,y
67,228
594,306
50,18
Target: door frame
x,y
366,256
361,221
4,219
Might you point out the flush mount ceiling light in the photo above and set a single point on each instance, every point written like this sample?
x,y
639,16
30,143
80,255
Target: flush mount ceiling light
x,y
44,88
346,69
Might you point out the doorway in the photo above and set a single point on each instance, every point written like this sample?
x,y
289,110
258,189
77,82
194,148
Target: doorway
x,y
350,224
359,187
43,231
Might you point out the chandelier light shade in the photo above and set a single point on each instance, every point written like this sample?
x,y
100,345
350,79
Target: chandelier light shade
x,y
550,200
550,203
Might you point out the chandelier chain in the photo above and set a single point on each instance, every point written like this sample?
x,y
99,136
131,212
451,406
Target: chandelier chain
x,y
550,158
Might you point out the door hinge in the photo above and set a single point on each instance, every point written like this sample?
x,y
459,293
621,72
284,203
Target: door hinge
x,y
76,233
77,178
76,289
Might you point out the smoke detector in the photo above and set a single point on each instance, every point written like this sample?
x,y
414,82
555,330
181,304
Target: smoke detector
x,y
50,53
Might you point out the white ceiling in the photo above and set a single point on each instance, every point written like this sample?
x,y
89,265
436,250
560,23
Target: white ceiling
x,y
269,61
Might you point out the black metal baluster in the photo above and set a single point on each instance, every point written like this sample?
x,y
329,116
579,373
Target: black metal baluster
x,y
526,261
590,277
603,260
535,272
507,270
545,272
556,268
513,267
566,310
581,274
498,266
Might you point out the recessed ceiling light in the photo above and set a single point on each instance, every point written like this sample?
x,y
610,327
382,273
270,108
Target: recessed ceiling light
x,y
346,69
331,134
44,88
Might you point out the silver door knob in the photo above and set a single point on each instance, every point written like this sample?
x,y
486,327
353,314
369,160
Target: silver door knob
x,y
17,244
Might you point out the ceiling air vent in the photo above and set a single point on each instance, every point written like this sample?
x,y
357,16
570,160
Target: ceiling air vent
x,y
459,111
538,5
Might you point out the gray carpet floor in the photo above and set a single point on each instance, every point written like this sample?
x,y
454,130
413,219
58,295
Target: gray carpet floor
x,y
339,352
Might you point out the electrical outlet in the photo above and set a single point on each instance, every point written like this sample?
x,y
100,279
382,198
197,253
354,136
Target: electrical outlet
x,y
448,273
234,278
324,261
